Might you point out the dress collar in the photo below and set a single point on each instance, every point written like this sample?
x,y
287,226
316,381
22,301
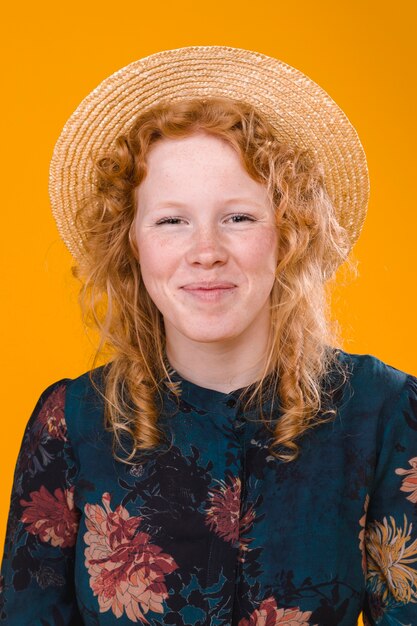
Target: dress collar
x,y
212,400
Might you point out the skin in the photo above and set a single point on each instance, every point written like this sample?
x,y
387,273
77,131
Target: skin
x,y
218,342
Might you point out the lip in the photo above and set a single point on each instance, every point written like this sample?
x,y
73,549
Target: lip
x,y
210,292
207,286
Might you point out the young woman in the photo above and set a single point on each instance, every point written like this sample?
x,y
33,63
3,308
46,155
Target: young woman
x,y
228,464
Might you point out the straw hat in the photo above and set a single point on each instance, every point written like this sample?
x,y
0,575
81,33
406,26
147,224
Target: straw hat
x,y
300,111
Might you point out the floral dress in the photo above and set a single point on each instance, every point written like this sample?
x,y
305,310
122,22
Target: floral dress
x,y
211,529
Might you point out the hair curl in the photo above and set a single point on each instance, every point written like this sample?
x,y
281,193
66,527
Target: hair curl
x,y
113,297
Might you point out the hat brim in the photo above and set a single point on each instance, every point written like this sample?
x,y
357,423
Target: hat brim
x,y
298,109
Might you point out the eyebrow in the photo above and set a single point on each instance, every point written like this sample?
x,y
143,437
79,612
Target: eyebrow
x,y
182,205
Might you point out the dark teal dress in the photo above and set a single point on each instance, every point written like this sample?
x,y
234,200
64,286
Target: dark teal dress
x,y
211,529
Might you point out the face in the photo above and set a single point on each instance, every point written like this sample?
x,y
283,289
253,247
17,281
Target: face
x,y
202,222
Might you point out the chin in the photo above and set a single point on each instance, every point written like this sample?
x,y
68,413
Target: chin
x,y
211,336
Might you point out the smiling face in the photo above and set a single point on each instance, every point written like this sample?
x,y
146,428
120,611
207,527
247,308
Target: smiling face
x,y
202,220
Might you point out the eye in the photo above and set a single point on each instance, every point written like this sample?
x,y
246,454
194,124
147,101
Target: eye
x,y
242,217
169,220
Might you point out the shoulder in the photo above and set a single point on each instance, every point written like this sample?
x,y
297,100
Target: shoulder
x,y
47,416
84,403
87,386
81,389
371,367
67,403
373,382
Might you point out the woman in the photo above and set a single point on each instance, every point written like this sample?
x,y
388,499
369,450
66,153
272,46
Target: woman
x,y
228,465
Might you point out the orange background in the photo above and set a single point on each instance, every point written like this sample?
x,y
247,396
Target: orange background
x,y
363,54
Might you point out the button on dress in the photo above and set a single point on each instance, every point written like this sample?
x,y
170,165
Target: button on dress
x,y
210,529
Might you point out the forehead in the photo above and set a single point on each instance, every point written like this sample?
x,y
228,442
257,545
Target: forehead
x,y
198,148
198,161
200,172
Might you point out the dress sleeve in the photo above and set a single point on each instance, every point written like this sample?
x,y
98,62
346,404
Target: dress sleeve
x,y
390,527
37,573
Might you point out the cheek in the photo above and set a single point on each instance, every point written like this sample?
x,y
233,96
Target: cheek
x,y
155,257
262,253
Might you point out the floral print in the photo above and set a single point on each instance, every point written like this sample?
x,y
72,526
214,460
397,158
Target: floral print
x,y
390,571
211,529
362,523
52,517
223,515
127,572
409,483
268,613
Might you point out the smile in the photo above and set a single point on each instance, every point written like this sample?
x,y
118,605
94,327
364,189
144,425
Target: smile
x,y
210,295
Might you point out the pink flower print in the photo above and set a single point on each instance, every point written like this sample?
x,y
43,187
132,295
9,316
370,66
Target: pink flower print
x,y
268,614
51,416
52,517
362,522
223,512
410,482
127,572
245,524
222,515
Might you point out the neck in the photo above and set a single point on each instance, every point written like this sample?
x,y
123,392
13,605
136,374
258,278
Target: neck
x,y
223,366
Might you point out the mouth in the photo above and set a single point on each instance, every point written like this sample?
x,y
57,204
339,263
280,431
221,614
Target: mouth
x,y
209,285
212,294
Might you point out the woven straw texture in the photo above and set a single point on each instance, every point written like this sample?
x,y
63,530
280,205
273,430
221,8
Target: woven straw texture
x,y
300,111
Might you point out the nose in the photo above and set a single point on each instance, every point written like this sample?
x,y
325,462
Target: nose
x,y
206,247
